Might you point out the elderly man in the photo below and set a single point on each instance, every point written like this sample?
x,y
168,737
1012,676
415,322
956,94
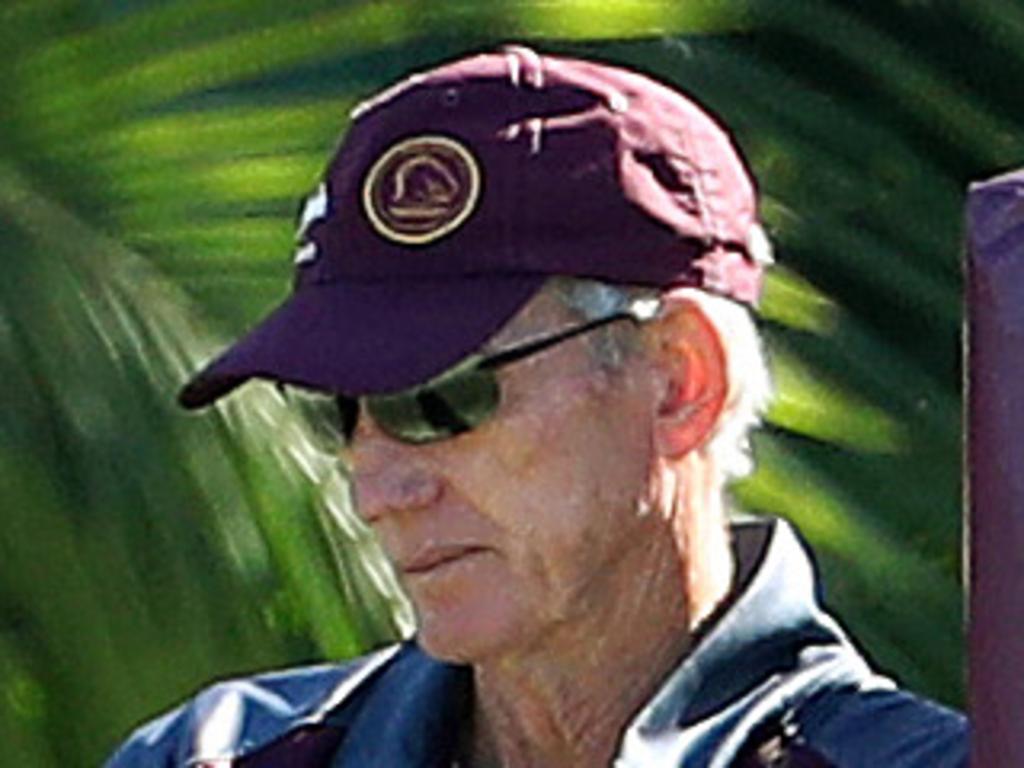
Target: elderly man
x,y
523,288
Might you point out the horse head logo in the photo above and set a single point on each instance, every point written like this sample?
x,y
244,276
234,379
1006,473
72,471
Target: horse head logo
x,y
421,189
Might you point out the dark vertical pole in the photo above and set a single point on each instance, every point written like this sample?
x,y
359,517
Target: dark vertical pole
x,y
995,482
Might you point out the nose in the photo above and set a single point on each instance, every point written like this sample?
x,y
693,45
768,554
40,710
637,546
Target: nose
x,y
388,478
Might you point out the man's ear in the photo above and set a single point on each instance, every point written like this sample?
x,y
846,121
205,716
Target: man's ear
x,y
688,355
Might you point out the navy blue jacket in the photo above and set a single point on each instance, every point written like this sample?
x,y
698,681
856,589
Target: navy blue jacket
x,y
773,681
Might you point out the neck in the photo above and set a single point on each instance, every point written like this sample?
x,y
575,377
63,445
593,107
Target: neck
x,y
567,700
702,535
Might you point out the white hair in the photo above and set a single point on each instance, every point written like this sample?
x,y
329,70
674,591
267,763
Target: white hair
x,y
749,380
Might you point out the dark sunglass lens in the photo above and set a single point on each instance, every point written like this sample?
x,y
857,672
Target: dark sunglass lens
x,y
348,415
439,414
448,406
465,401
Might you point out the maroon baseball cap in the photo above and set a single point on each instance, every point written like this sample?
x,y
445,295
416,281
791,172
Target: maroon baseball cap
x,y
458,192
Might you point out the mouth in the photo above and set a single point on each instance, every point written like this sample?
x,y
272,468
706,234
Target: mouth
x,y
434,558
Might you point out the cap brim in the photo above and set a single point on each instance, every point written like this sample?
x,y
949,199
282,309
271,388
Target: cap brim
x,y
366,337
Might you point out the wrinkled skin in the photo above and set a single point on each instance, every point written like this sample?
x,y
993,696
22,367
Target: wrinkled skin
x,y
565,548
548,490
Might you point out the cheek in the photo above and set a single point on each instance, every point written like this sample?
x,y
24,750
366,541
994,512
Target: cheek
x,y
530,470
563,482
593,452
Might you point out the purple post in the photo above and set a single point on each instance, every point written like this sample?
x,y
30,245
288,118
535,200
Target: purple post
x,y
995,453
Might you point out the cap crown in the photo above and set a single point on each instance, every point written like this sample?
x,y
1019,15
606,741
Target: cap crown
x,y
518,163
457,192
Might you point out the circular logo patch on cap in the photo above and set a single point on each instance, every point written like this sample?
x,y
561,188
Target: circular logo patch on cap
x,y
421,189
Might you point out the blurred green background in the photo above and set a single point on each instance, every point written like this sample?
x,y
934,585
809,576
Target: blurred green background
x,y
153,155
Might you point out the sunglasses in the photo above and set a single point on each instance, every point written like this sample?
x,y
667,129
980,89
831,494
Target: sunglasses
x,y
454,402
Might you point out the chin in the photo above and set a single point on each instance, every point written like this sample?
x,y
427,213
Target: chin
x,y
470,635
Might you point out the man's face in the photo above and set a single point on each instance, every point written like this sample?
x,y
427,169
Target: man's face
x,y
524,528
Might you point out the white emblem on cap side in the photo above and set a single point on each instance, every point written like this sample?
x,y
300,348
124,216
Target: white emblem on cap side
x,y
306,253
314,209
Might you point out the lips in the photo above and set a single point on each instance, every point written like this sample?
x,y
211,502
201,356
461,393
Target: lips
x,y
432,557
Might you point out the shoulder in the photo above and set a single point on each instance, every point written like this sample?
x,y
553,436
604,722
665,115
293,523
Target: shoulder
x,y
238,716
883,726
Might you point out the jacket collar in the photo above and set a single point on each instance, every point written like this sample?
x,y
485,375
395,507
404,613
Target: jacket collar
x,y
770,647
